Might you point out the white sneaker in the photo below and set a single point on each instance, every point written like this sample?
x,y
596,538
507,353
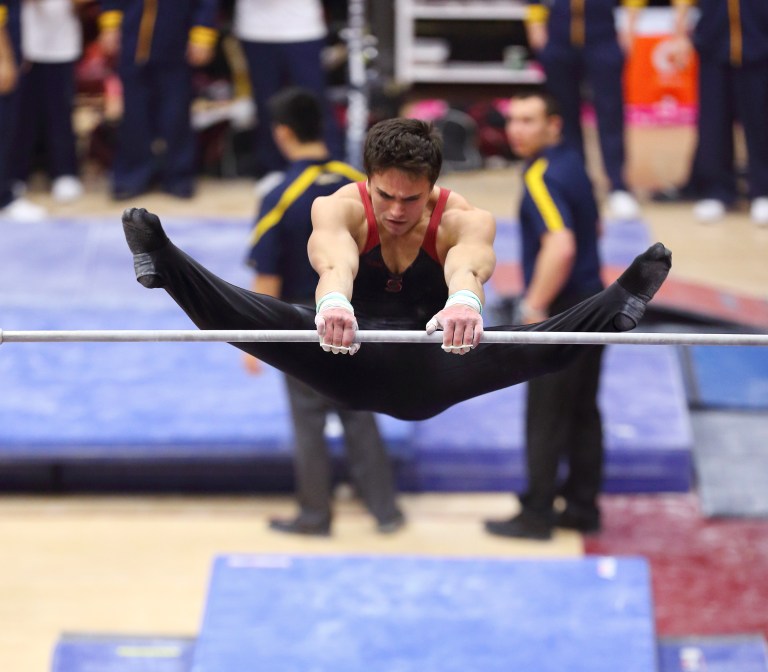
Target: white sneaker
x,y
709,210
623,206
759,211
22,210
66,189
268,183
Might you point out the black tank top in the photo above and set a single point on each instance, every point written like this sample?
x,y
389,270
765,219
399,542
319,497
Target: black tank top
x,y
409,299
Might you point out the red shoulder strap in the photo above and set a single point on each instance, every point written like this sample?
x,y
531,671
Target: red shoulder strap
x,y
373,232
430,238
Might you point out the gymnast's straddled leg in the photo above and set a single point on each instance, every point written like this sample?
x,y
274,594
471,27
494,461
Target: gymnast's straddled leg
x,y
409,381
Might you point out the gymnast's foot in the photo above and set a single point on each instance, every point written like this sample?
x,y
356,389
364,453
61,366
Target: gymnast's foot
x,y
642,280
144,235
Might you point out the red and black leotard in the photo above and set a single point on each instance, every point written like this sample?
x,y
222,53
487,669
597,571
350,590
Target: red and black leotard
x,y
406,300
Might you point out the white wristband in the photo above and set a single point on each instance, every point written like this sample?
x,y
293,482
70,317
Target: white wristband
x,y
466,298
334,300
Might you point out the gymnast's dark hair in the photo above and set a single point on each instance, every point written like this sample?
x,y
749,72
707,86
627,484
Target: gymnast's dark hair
x,y
299,110
410,145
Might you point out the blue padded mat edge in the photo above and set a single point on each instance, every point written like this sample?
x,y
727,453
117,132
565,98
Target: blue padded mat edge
x,y
745,653
122,653
289,613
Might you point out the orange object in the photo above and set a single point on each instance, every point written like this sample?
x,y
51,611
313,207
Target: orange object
x,y
650,78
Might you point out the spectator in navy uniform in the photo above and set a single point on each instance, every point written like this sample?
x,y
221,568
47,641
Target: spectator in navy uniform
x,y
561,267
51,46
278,254
731,39
283,44
576,42
158,44
12,207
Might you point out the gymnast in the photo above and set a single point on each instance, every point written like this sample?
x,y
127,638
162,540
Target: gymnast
x,y
395,252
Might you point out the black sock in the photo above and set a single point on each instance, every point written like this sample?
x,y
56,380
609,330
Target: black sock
x,y
642,279
647,272
143,231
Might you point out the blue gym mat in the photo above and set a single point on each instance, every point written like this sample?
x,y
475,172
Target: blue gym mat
x,y
731,462
713,654
478,444
346,614
728,377
138,400
140,403
122,653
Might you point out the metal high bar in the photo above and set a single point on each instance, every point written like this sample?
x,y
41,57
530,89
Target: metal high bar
x,y
374,336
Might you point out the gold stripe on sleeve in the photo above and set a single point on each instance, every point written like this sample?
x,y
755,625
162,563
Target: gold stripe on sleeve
x,y
534,180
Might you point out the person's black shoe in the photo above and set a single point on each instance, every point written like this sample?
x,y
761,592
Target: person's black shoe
x,y
572,519
392,525
299,526
144,235
525,525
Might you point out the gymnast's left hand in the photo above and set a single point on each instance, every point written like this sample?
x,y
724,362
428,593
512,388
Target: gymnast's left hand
x,y
336,325
462,328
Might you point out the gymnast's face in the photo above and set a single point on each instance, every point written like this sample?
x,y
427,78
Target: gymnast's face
x,y
529,128
399,199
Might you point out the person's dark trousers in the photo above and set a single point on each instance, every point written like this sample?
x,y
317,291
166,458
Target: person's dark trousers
x,y
563,422
366,453
726,93
602,67
9,104
273,66
157,99
46,94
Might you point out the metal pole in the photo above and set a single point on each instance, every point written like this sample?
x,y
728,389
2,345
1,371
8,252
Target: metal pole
x,y
373,336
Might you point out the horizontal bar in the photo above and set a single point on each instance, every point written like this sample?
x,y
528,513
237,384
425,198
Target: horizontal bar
x,y
373,336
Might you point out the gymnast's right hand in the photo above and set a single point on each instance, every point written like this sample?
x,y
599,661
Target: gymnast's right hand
x,y
336,324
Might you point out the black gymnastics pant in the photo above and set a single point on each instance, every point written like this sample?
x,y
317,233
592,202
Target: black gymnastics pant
x,y
410,381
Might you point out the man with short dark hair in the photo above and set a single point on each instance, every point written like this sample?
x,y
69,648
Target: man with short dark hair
x,y
278,254
559,225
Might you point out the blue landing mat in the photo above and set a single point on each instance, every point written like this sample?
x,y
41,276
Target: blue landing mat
x,y
122,653
139,403
713,654
731,459
647,431
728,377
135,400
346,614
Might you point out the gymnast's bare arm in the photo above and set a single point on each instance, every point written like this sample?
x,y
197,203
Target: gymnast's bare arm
x,y
334,252
466,241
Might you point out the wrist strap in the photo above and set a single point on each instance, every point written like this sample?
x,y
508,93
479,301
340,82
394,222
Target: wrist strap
x,y
334,300
466,298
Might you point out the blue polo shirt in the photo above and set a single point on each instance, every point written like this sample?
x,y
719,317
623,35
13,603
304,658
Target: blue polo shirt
x,y
558,194
283,226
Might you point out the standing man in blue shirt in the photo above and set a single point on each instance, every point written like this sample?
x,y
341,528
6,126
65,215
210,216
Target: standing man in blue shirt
x,y
559,225
279,255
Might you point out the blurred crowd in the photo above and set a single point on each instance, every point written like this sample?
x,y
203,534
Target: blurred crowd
x,y
136,68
